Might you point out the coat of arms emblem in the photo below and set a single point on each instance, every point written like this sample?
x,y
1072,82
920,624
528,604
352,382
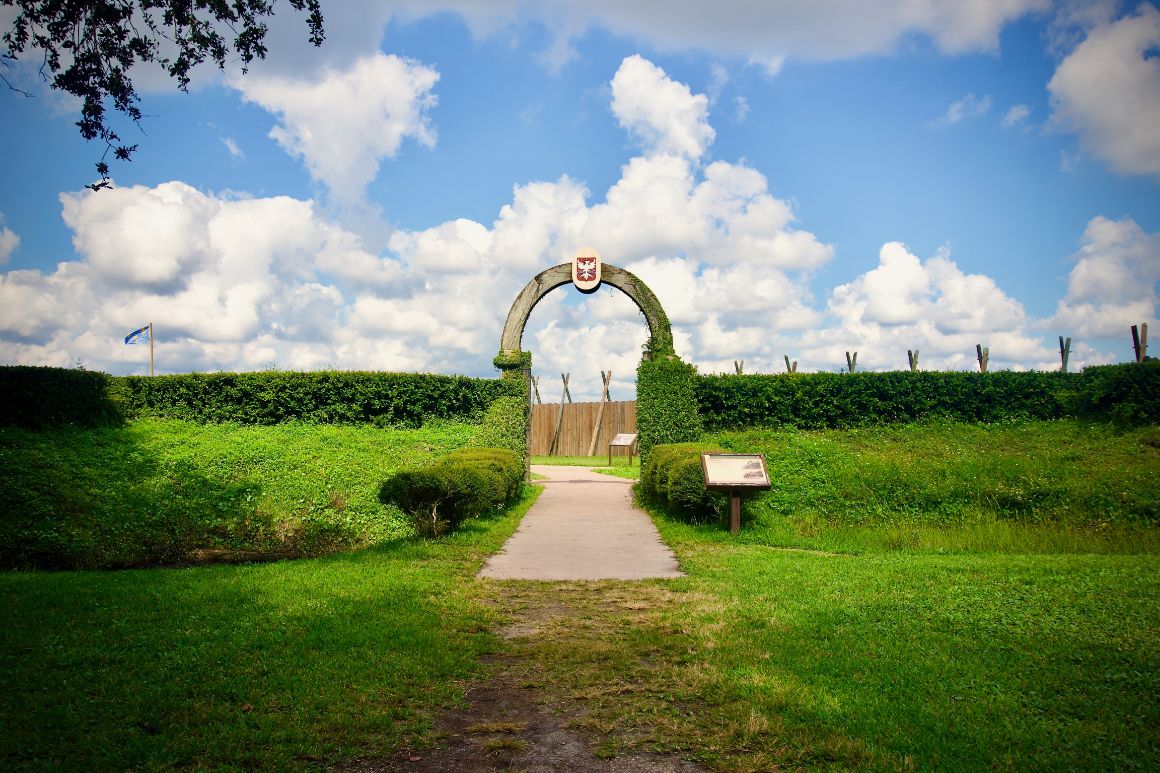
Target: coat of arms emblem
x,y
586,270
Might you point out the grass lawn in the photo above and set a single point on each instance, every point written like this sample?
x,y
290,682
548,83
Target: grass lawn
x,y
289,664
859,626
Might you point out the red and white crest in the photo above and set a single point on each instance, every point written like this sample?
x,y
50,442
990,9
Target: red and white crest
x,y
586,270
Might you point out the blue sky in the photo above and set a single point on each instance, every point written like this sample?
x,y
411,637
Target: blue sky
x,y
800,178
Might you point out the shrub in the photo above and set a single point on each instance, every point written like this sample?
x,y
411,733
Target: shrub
x,y
504,425
666,409
673,477
39,398
321,397
462,485
844,401
1128,395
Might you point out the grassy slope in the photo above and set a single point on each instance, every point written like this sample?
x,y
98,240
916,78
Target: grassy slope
x,y
1042,487
147,492
892,655
265,666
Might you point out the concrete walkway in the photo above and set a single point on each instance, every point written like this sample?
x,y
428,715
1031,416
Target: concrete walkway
x,y
583,527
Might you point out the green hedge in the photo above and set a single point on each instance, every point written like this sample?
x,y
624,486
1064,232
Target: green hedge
x,y
38,398
672,477
462,485
1127,394
666,403
322,397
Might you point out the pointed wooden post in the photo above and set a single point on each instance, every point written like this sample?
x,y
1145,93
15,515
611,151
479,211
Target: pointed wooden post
x,y
984,354
1140,341
851,362
738,366
536,389
560,415
1064,351
912,358
604,398
790,367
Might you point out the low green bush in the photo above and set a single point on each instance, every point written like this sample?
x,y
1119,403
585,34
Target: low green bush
x,y
462,485
673,477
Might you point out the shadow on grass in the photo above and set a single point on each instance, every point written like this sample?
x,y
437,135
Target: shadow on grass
x,y
74,498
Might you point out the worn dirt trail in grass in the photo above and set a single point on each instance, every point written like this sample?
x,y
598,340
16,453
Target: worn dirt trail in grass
x,y
527,715
554,700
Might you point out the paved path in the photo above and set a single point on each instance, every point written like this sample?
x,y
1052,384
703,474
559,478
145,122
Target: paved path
x,y
583,527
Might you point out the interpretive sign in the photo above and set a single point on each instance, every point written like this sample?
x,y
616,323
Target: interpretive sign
x,y
735,473
623,440
586,270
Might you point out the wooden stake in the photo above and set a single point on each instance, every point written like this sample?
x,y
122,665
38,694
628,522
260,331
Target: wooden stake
x,y
851,362
604,398
536,387
151,347
984,354
1064,351
560,415
912,358
738,366
1140,341
790,368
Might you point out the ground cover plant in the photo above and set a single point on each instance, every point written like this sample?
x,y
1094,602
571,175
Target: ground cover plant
x,y
870,633
853,624
295,664
150,491
1022,486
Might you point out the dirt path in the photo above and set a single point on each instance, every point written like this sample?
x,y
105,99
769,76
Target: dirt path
x,y
520,718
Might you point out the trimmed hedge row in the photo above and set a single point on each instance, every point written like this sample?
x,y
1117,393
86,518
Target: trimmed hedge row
x,y
673,477
462,485
322,397
38,398
1126,394
666,403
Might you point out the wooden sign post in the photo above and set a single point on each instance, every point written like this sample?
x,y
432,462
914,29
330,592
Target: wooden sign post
x,y
736,474
623,440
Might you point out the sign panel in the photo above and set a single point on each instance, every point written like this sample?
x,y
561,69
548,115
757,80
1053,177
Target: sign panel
x,y
733,472
586,270
624,439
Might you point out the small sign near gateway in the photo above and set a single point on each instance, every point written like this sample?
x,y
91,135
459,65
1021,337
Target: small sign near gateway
x,y
586,270
623,440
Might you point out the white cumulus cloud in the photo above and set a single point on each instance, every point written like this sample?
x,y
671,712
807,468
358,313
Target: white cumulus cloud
x,y
664,116
343,123
1108,90
9,242
1115,282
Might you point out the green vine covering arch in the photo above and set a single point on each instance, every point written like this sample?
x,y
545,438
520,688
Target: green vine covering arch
x,y
667,410
512,357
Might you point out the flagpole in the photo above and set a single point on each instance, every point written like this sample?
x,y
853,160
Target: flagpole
x,y
150,348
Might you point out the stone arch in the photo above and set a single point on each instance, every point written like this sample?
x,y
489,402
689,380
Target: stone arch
x,y
511,356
